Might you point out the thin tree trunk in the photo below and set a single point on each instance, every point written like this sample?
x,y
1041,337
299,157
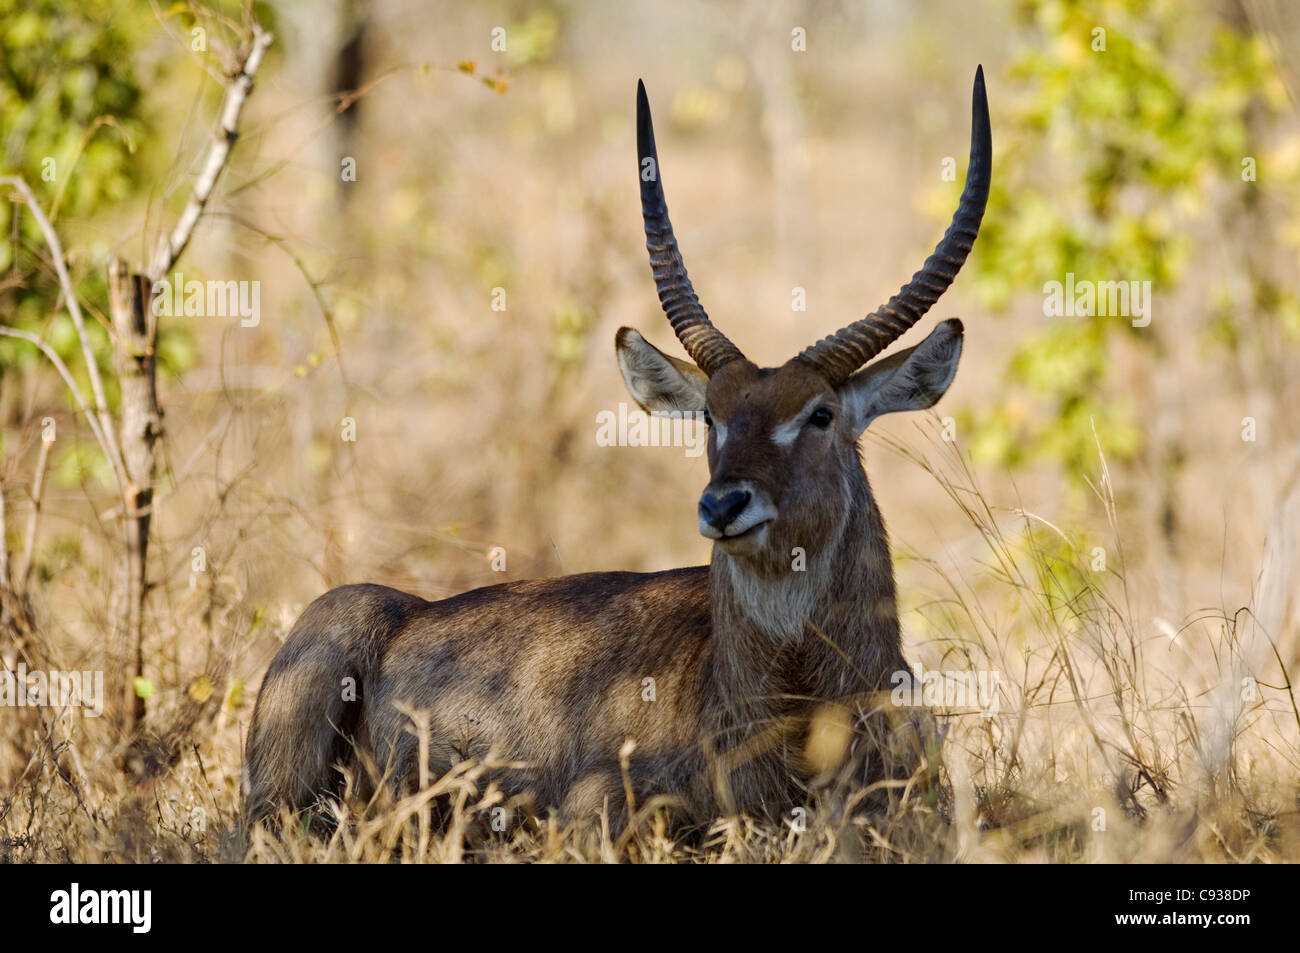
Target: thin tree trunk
x,y
136,332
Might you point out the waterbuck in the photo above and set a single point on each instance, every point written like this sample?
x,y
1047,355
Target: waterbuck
x,y
794,616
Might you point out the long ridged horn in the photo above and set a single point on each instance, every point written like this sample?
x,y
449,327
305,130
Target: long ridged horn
x,y
707,346
844,352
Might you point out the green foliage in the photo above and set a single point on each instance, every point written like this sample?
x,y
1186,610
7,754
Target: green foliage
x,y
533,39
68,93
176,351
144,688
572,324
1106,162
70,121
79,462
1064,368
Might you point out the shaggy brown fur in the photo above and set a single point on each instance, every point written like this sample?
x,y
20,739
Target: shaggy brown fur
x,y
552,672
724,676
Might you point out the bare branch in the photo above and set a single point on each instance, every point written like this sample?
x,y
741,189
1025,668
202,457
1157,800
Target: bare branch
x,y
170,247
113,460
107,439
4,549
33,517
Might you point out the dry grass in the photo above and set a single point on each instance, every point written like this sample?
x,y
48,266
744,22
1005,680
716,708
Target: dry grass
x,y
1121,689
1111,742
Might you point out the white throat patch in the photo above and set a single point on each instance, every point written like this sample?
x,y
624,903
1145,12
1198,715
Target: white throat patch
x,y
778,606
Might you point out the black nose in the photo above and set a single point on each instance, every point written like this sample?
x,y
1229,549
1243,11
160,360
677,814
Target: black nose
x,y
719,512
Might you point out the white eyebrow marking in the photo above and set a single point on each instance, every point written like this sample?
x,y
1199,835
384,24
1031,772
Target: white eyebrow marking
x,y
720,432
785,434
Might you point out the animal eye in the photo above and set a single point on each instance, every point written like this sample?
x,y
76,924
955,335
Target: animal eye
x,y
708,421
821,418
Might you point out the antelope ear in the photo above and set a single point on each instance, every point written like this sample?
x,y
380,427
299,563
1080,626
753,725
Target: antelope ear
x,y
909,380
657,382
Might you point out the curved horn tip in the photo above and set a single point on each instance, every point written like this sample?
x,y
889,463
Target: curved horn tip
x,y
980,107
707,346
642,101
645,129
851,347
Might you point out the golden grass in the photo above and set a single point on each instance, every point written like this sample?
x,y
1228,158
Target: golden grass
x,y
1113,741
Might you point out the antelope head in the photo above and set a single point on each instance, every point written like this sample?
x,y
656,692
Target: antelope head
x,y
783,441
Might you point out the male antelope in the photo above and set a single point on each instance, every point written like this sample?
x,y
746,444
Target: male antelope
x,y
743,651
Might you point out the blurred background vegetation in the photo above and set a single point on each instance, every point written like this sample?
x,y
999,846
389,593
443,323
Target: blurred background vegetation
x,y
1164,148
